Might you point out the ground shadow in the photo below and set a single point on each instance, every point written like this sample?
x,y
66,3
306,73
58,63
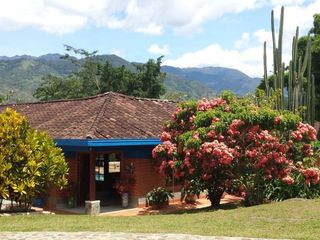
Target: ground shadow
x,y
188,209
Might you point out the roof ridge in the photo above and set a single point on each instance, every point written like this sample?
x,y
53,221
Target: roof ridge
x,y
143,98
92,97
91,131
57,100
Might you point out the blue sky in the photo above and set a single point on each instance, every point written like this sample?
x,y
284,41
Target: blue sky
x,y
189,33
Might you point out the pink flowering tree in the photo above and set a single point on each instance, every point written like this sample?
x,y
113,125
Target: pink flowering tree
x,y
230,144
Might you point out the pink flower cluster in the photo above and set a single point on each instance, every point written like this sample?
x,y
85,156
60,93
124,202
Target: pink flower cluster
x,y
311,175
288,180
165,136
252,131
164,150
205,104
277,120
176,112
268,154
216,152
233,129
307,150
211,134
304,130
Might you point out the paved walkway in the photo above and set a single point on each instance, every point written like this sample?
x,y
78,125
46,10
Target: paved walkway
x,y
108,235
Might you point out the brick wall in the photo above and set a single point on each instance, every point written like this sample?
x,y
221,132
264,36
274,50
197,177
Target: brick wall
x,y
57,196
145,174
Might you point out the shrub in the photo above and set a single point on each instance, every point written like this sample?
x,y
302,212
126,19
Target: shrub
x,y
158,197
29,160
230,144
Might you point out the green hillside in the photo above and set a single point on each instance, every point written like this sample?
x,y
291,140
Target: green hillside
x,y
217,78
22,75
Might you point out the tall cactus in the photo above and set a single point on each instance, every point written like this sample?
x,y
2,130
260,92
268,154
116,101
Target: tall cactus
x,y
301,89
278,67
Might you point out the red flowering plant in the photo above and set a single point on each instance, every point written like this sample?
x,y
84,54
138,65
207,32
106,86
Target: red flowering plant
x,y
230,144
124,185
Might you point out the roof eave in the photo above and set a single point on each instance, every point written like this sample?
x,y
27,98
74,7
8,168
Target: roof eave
x,y
91,143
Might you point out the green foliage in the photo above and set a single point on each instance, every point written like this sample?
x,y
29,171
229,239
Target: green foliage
x,y
158,197
193,189
25,74
54,87
151,77
232,144
94,78
29,160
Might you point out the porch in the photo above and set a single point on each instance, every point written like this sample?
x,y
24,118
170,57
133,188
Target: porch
x,y
97,165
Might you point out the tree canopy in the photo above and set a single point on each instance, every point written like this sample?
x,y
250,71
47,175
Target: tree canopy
x,y
95,78
235,145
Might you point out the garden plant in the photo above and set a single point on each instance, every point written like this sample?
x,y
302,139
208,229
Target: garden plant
x,y
30,161
241,146
158,197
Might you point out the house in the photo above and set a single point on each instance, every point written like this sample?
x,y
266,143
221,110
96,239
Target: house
x,y
104,138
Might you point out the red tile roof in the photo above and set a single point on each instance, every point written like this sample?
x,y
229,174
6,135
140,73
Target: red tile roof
x,y
109,115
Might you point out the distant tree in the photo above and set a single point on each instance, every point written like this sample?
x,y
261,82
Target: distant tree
x,y
119,80
152,78
95,77
29,160
53,87
90,71
5,98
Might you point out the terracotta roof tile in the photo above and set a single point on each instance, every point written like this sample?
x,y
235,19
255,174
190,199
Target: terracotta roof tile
x,y
109,115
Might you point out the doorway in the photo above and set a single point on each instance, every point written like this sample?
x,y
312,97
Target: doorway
x,y
107,172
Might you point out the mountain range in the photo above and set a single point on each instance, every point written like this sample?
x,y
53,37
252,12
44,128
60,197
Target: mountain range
x,y
22,75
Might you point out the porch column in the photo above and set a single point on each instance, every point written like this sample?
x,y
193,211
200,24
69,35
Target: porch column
x,y
92,181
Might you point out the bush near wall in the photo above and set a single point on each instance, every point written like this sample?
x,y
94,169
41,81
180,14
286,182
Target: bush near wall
x,y
237,145
29,160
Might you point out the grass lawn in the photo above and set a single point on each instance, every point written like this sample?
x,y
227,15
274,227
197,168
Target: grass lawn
x,y
298,219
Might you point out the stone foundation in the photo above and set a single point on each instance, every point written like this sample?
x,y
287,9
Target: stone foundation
x,y
92,207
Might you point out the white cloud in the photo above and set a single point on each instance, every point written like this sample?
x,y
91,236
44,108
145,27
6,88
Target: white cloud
x,y
150,29
248,51
243,41
145,16
262,35
156,49
52,16
249,61
157,16
287,2
117,52
301,16
151,17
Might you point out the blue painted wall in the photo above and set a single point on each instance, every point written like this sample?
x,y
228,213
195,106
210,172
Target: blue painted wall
x,y
130,148
143,152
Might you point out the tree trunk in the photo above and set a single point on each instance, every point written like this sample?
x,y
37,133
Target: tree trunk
x,y
215,197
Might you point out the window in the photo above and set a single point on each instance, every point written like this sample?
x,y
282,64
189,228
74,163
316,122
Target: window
x,y
114,163
107,163
100,168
